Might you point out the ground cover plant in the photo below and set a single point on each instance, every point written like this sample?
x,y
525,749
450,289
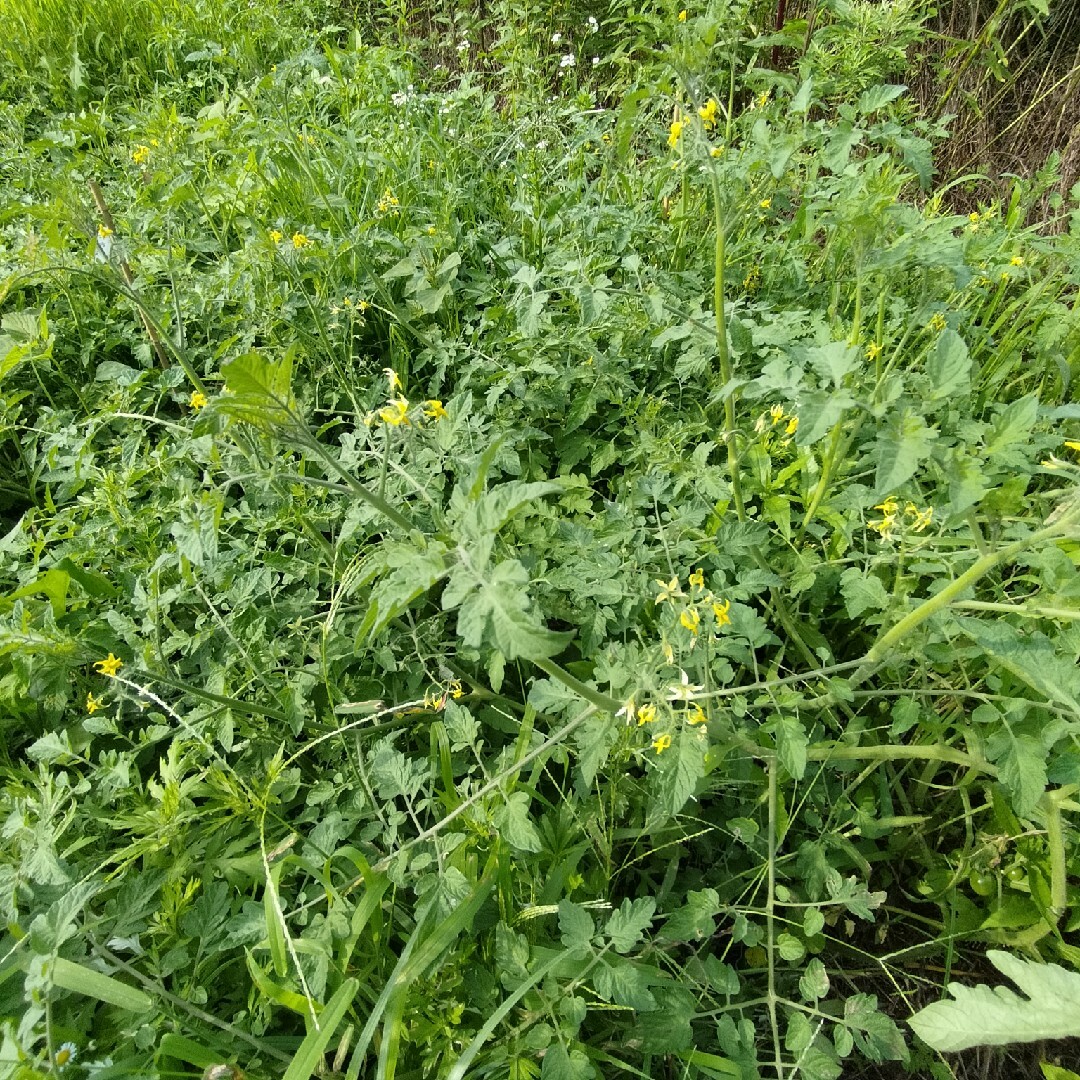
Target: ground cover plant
x,y
543,548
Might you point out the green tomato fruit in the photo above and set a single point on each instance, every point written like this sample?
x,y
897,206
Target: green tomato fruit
x,y
982,884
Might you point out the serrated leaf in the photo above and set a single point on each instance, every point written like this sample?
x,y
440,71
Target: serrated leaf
x,y
813,922
622,984
877,97
1021,763
560,1064
818,412
901,447
680,768
576,927
833,361
515,825
862,592
626,926
694,921
259,391
995,1016
790,947
499,606
949,365
791,743
1012,425
801,101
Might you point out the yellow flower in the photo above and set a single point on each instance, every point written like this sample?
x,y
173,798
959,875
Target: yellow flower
x,y
690,619
431,230
435,410
716,151
765,204
777,413
140,155
973,217
920,518
697,579
104,232
889,506
873,351
646,714
1016,260
395,412
696,715
1070,445
362,306
109,666
454,688
792,425
676,133
661,742
763,99
197,399
707,112
392,378
276,235
93,703
669,590
937,322
720,609
668,651
682,15
299,240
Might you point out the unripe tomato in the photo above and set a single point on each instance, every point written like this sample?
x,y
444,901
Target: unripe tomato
x,y
982,884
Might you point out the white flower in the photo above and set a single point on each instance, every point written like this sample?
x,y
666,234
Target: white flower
x,y
593,24
595,61
399,99
556,38
463,46
542,145
685,691
567,61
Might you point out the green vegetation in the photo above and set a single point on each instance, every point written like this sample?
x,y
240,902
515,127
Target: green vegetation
x,y
537,542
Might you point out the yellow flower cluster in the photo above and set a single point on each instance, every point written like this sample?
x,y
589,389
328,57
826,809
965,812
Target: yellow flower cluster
x,y
891,521
388,203
774,418
690,615
140,155
396,410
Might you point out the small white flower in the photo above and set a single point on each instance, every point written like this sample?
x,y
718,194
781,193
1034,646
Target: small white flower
x,y
685,691
542,145
399,99
556,38
593,24
567,61
595,61
463,46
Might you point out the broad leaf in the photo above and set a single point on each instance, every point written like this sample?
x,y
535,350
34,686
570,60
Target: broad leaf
x,y
985,1016
949,366
901,447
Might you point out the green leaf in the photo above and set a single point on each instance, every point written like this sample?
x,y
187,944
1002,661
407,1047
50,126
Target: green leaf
x,y
626,926
560,1064
309,1056
259,391
877,97
680,767
514,824
184,1049
791,743
901,447
1021,762
818,412
814,982
833,361
801,101
1013,425
576,927
694,921
500,608
949,366
83,980
862,592
622,983
985,1016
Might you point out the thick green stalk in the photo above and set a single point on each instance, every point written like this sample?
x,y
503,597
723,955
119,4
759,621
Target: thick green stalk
x,y
723,355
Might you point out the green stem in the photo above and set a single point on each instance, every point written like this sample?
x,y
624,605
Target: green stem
x,y
722,346
945,754
980,568
593,697
770,920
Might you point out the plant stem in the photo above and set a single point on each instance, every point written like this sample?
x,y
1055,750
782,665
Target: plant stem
x,y
722,346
